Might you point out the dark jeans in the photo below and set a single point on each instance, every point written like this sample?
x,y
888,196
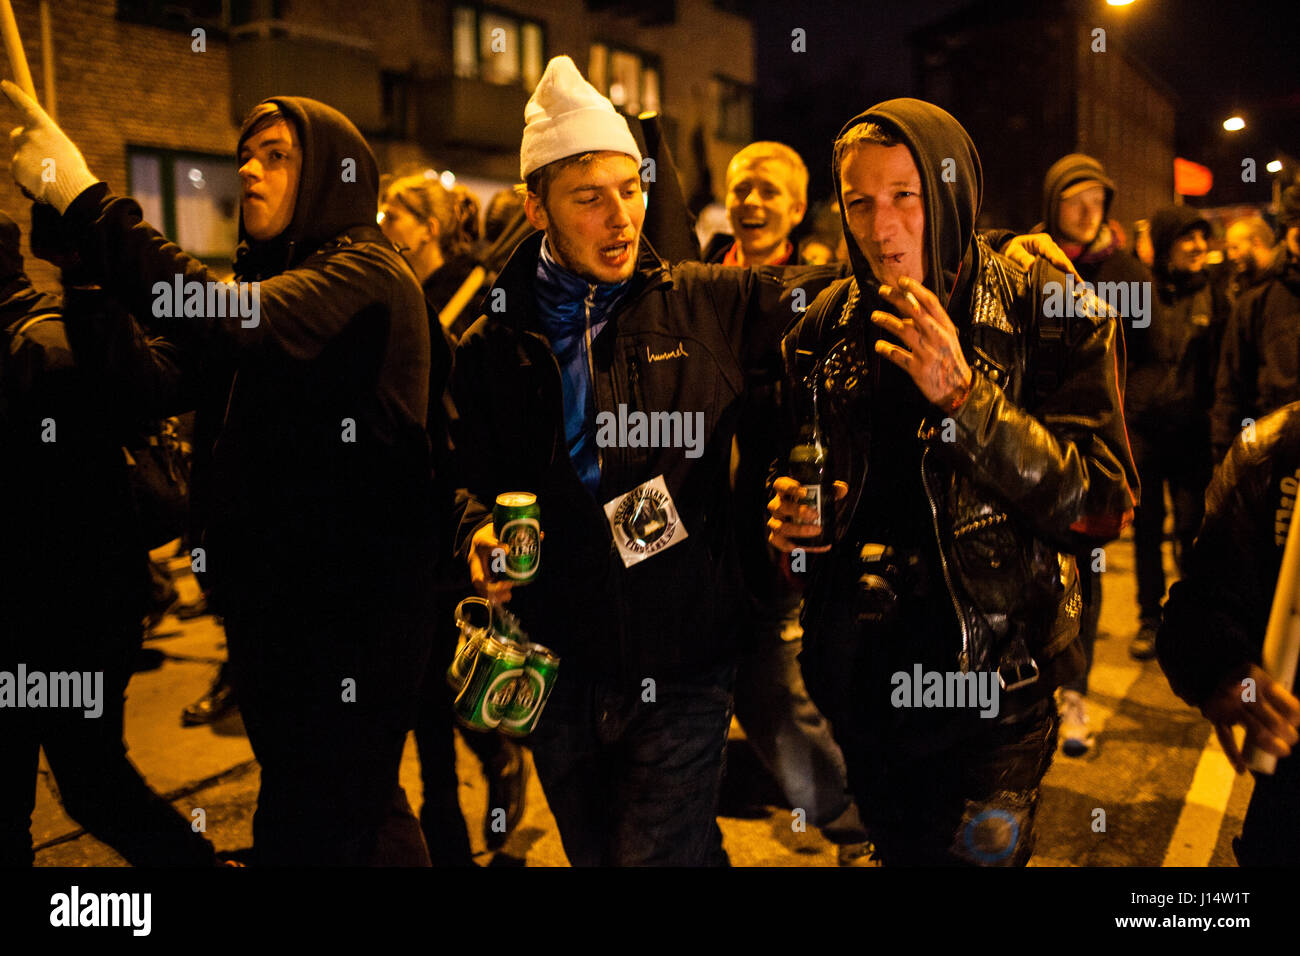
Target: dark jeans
x,y
1181,458
934,786
99,786
327,695
441,818
781,722
1270,834
973,804
1089,617
633,782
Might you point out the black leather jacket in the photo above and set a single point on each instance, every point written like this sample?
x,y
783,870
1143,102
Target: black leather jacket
x,y
1216,616
1033,467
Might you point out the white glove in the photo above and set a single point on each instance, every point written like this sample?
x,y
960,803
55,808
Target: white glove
x,y
46,163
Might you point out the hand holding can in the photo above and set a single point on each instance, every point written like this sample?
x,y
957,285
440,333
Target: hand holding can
x,y
485,551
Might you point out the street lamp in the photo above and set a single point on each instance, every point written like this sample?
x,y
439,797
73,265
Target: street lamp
x,y
1119,3
1275,166
1234,123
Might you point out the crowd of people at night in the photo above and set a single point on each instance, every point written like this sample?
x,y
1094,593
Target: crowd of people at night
x,y
905,638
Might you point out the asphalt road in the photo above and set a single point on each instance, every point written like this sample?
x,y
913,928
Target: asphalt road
x,y
1156,790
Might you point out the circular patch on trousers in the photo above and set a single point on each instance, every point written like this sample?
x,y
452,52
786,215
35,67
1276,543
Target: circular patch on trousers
x,y
992,835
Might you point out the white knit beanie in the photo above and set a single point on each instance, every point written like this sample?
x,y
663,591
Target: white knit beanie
x,y
566,116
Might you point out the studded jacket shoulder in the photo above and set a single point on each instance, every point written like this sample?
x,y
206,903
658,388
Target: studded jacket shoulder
x,y
1034,466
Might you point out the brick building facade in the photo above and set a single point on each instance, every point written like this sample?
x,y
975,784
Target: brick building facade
x,y
1033,82
435,82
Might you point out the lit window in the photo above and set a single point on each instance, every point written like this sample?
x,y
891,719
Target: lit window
x,y
496,47
631,80
650,92
532,54
191,198
464,43
597,64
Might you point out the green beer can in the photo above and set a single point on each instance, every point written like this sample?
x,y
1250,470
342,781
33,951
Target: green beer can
x,y
517,523
531,692
490,684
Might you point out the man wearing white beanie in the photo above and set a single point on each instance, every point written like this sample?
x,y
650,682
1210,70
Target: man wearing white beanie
x,y
608,384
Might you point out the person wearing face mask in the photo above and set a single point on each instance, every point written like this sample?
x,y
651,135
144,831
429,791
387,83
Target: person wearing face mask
x,y
1077,197
312,501
1171,369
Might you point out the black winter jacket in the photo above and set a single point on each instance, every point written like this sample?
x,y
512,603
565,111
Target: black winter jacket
x,y
1172,363
684,339
1259,368
311,472
72,560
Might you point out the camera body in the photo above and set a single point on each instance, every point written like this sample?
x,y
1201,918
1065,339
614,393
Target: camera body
x,y
886,577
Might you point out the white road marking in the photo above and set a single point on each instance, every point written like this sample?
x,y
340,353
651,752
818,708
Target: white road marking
x,y
1197,831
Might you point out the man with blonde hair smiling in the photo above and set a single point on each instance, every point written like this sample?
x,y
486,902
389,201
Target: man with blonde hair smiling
x,y
767,196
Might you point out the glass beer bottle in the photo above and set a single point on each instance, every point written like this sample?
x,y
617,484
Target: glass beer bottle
x,y
810,466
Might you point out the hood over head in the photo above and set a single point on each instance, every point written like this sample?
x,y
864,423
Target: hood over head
x,y
1170,223
338,189
1074,169
950,191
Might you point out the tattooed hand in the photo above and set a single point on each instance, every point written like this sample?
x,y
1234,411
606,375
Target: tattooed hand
x,y
933,355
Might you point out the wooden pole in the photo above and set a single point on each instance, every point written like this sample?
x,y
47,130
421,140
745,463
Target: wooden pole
x,y
1282,638
452,310
47,61
14,49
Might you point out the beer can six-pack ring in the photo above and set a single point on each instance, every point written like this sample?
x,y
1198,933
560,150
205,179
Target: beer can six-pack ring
x,y
501,678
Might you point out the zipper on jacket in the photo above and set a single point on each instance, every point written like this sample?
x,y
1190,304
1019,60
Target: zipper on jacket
x,y
555,364
963,659
634,378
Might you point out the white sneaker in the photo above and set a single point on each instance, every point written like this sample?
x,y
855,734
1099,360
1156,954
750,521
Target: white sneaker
x,y
1078,739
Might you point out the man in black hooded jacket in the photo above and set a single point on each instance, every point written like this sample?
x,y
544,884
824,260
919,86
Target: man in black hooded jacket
x,y
1171,370
977,455
311,486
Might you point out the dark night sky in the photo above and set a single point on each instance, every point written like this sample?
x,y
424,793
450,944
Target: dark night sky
x,y
1212,53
